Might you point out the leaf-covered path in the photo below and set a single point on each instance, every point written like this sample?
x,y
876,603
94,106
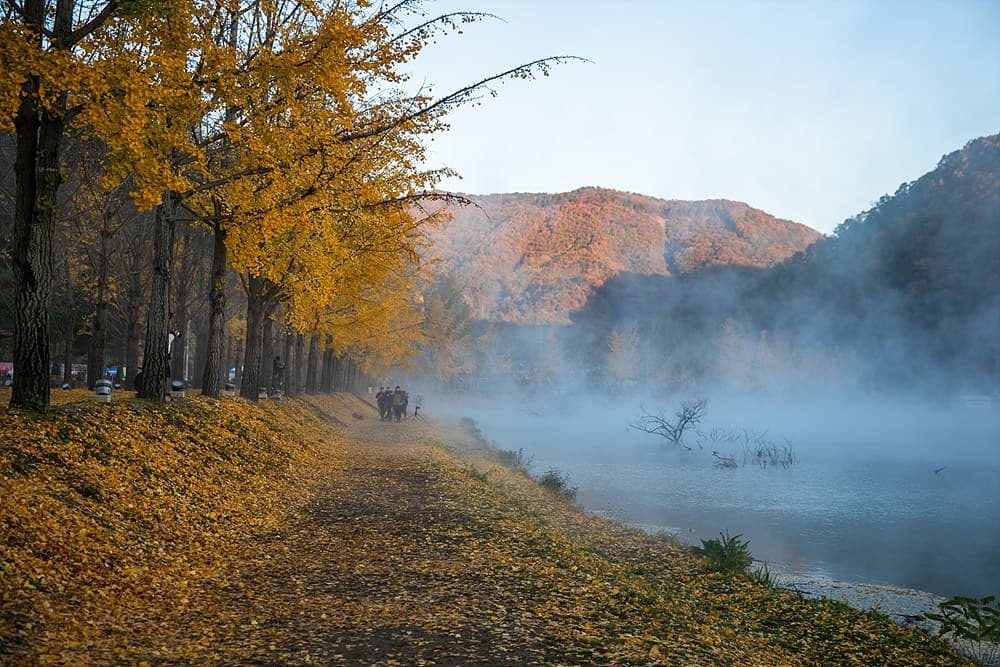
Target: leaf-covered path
x,y
409,544
389,563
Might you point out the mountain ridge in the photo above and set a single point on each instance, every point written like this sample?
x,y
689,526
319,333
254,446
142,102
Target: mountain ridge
x,y
533,258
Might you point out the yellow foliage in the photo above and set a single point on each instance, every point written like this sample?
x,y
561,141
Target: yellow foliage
x,y
294,127
119,514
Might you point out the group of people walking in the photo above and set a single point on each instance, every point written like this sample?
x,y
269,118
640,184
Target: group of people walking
x,y
392,403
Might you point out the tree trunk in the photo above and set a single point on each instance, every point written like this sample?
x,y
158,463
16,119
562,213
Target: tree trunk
x,y
341,373
239,366
37,176
286,374
67,377
178,358
69,325
360,383
326,379
156,354
300,363
131,352
312,366
230,363
294,366
256,312
200,351
135,295
99,332
267,356
215,375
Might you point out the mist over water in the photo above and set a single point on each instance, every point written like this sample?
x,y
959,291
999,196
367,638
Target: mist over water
x,y
885,490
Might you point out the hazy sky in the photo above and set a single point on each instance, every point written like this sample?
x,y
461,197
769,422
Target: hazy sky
x,y
810,110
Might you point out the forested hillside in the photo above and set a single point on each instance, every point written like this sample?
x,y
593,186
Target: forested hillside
x,y
533,258
903,295
911,283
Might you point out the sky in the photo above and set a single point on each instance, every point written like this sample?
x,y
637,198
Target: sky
x,y
809,110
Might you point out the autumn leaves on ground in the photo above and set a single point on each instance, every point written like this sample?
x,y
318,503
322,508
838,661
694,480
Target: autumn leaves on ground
x,y
308,532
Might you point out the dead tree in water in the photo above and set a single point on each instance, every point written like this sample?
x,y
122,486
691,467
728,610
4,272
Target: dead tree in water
x,y
690,414
724,461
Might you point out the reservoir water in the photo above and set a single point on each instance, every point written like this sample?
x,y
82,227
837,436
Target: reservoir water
x,y
898,496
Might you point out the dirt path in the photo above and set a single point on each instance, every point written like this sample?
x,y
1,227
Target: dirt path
x,y
385,565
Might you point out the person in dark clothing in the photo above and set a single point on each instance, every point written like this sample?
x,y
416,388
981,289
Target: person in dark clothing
x,y
381,398
397,404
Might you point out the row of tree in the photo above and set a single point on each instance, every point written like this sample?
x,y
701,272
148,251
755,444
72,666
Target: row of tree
x,y
279,139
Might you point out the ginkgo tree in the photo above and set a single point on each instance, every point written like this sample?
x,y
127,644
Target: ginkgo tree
x,y
283,125
371,328
328,154
117,72
50,76
346,275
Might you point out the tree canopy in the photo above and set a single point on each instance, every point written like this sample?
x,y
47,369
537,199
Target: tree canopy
x,y
289,130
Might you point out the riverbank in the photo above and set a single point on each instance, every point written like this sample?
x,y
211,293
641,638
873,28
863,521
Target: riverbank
x,y
220,532
905,606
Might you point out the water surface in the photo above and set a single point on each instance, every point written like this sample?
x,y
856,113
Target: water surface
x,y
916,506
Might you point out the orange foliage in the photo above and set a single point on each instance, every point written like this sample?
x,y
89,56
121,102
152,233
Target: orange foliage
x,y
533,259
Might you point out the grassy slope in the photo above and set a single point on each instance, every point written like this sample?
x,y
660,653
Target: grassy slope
x,y
219,532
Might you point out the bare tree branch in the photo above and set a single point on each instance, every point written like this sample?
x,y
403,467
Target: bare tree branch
x,y
445,20
525,71
91,25
690,414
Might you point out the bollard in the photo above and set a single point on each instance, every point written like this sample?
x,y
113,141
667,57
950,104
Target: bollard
x,y
229,389
262,394
276,395
102,391
176,390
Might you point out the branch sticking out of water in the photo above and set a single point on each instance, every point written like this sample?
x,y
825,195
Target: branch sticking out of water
x,y
688,416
